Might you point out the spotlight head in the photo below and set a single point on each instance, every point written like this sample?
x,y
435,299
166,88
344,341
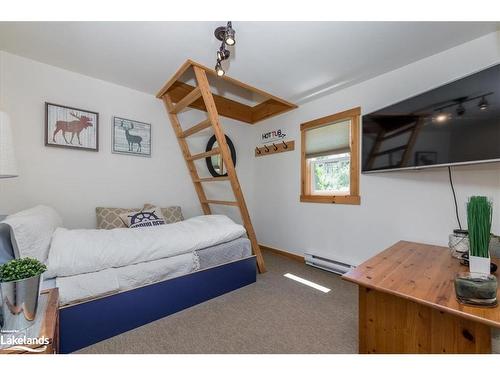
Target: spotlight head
x,y
483,104
441,117
229,35
460,109
223,54
218,69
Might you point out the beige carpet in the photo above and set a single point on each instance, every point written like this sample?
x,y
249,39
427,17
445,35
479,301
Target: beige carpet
x,y
274,315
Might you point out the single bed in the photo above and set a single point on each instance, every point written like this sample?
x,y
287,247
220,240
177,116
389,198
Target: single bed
x,y
208,257
221,268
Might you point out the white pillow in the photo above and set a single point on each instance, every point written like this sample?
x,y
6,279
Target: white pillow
x,y
31,231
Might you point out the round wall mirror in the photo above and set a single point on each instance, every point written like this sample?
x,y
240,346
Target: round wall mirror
x,y
215,164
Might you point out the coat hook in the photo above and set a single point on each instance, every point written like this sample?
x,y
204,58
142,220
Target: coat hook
x,y
258,150
275,148
267,148
285,146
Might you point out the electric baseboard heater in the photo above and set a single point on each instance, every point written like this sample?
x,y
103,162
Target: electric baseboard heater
x,y
327,264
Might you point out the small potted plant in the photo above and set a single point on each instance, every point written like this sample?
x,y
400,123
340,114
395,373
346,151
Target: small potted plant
x,y
479,214
20,281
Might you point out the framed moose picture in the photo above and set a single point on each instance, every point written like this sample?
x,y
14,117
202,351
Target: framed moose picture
x,y
131,137
71,127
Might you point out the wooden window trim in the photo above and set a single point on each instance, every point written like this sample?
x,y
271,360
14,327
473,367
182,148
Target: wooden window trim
x,y
353,197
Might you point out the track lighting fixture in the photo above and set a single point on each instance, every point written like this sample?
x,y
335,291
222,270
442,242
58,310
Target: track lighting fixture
x,y
226,35
218,69
483,104
458,105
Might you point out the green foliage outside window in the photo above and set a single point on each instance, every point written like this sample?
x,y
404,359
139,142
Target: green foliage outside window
x,y
331,174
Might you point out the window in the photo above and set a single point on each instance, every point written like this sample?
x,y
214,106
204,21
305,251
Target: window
x,y
330,159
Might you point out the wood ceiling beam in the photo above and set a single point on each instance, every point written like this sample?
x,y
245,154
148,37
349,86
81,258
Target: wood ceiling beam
x,y
268,109
271,106
184,67
226,107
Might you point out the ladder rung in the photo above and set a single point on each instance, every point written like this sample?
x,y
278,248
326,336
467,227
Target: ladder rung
x,y
391,150
187,100
226,203
212,179
398,132
195,129
213,151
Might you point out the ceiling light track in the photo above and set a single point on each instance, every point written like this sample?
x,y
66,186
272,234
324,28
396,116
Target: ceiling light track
x,y
226,35
460,109
465,99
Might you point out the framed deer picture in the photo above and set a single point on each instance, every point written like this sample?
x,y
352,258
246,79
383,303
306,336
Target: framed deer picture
x,y
71,127
131,137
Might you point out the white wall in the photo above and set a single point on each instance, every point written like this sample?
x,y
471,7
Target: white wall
x,y
74,181
397,205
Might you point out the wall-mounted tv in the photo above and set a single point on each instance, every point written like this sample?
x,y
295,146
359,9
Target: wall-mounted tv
x,y
458,123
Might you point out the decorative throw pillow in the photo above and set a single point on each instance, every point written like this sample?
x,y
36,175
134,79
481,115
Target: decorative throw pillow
x,y
172,214
109,217
147,217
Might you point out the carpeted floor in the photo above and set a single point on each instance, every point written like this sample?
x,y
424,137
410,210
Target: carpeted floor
x,y
274,315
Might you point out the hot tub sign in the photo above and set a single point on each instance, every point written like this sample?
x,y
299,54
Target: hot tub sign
x,y
273,136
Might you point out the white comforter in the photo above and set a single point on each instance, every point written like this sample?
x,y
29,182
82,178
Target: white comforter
x,y
80,251
111,280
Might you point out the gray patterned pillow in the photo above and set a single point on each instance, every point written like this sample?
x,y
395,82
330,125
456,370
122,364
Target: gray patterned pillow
x,y
172,214
109,217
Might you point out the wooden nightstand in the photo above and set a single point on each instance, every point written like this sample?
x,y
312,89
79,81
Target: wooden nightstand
x,y
46,325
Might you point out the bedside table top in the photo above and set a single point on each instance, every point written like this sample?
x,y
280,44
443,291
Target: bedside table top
x,y
45,325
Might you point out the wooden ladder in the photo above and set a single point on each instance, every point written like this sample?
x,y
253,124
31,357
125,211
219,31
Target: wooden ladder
x,y
384,135
203,90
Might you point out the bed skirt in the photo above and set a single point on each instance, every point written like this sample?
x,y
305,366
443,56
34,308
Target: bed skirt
x,y
89,322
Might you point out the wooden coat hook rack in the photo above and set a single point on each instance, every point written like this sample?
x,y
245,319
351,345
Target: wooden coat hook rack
x,y
274,148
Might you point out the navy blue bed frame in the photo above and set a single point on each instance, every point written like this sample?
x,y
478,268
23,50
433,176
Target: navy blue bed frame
x,y
86,323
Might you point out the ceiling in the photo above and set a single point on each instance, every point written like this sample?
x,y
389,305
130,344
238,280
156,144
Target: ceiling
x,y
294,60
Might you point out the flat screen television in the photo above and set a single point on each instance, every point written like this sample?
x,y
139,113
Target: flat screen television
x,y
458,123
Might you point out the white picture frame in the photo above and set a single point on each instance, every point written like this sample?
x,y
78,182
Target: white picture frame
x,y
130,137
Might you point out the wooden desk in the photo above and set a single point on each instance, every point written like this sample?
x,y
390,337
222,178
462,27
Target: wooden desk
x,y
407,304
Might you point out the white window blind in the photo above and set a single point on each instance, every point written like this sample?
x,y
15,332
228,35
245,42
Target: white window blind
x,y
328,140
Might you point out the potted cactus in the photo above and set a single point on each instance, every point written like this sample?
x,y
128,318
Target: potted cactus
x,y
479,214
20,281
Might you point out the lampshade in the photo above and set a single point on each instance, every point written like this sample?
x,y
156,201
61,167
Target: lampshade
x,y
8,166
